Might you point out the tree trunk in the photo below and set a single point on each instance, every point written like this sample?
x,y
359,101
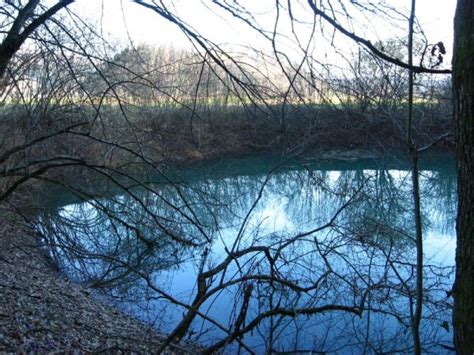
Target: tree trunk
x,y
463,90
415,176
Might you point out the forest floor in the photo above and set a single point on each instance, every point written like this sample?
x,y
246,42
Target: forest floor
x,y
41,311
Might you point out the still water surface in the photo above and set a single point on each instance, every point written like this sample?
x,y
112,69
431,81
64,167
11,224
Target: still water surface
x,y
337,274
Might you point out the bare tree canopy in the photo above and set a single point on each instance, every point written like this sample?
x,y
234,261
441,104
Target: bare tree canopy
x,y
277,196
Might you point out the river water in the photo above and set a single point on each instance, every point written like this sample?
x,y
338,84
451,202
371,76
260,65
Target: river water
x,y
301,255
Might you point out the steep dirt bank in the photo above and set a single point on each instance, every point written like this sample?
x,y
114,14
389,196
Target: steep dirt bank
x,y
41,311
175,135
174,138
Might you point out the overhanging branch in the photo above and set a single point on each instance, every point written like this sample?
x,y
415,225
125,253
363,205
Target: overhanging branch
x,y
367,44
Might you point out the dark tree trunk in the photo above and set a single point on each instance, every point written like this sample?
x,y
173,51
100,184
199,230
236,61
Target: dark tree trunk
x,y
20,30
463,86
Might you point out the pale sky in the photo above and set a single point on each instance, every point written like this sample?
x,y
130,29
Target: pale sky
x,y
144,26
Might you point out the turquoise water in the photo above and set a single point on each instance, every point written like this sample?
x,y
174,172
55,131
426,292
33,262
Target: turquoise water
x,y
323,249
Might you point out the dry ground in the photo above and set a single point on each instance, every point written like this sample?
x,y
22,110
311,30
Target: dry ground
x,y
41,311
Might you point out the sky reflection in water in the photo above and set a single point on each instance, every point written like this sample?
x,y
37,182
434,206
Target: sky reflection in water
x,y
369,243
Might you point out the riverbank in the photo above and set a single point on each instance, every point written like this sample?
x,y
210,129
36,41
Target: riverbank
x,y
41,311
176,135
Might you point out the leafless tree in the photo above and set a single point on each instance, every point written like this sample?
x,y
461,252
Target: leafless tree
x,y
129,234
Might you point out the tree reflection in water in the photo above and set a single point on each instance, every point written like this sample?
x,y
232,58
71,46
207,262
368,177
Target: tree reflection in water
x,y
303,257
